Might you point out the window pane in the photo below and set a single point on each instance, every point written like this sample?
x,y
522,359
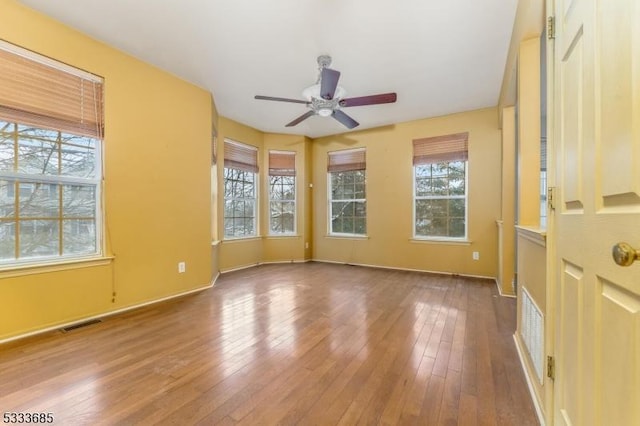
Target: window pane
x,y
78,201
337,208
228,188
336,225
78,156
79,236
37,151
228,227
238,209
7,152
456,228
7,198
289,188
39,200
248,226
456,208
347,225
288,225
39,238
7,240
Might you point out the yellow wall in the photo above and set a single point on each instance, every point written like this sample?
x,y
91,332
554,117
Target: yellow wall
x,y
389,195
236,254
241,253
156,187
532,270
390,202
278,249
529,133
507,258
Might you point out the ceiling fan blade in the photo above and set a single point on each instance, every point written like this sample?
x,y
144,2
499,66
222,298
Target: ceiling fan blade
x,y
301,118
271,98
345,119
384,98
328,83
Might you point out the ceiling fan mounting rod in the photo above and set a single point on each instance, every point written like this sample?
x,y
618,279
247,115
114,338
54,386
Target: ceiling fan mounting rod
x,y
323,61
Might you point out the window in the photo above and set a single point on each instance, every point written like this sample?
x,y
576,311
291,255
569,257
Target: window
x,y
282,192
440,187
240,189
347,192
50,157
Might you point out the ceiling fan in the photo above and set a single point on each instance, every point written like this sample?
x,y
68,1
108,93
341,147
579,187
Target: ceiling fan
x,y
326,98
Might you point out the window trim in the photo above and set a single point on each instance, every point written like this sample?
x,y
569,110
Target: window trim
x,y
256,221
462,239
294,232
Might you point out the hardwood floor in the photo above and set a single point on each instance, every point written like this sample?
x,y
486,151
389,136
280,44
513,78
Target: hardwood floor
x,y
310,344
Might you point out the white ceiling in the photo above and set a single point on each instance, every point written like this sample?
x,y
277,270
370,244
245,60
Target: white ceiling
x,y
439,56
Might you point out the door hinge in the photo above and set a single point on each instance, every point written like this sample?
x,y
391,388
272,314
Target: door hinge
x,y
551,27
551,197
551,367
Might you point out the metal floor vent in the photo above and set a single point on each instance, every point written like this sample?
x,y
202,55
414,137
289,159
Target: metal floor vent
x,y
80,325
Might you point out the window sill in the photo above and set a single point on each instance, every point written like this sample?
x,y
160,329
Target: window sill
x,y
46,267
281,236
347,237
240,240
451,241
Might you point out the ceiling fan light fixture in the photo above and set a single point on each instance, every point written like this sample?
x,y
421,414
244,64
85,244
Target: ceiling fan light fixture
x,y
325,112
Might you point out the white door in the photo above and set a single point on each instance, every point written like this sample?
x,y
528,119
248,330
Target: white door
x,y
597,143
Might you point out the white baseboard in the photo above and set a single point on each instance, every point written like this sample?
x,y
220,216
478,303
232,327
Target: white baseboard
x,y
275,262
393,268
532,392
503,294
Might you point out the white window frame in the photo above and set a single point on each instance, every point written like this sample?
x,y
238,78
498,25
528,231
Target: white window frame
x,y
330,207
436,197
95,182
294,201
256,191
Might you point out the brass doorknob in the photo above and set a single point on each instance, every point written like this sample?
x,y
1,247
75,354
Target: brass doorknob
x,y
624,254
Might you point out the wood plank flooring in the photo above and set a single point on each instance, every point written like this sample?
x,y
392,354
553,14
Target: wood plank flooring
x,y
308,344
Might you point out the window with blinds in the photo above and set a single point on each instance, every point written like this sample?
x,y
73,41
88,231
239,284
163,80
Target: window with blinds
x,y
51,127
282,192
347,192
440,186
240,190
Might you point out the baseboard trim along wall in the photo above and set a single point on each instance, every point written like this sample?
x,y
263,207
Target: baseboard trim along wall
x,y
405,269
532,393
276,262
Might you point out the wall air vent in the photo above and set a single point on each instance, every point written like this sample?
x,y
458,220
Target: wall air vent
x,y
532,332
80,325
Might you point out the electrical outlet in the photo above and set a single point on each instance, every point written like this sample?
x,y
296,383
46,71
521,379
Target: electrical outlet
x,y
306,245
476,255
182,267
